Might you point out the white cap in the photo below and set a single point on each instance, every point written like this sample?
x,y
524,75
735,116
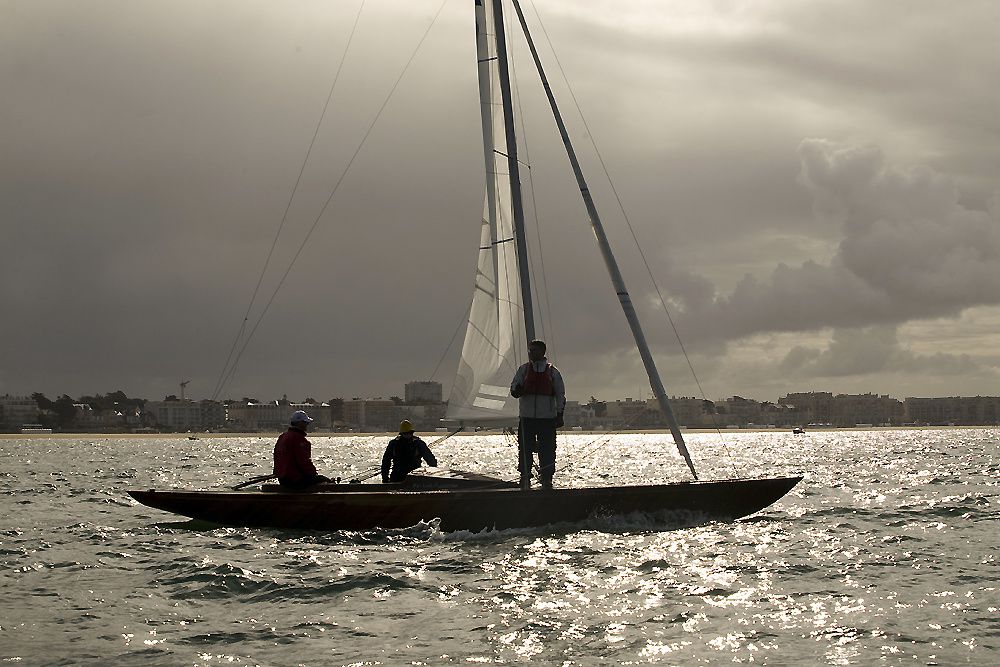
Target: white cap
x,y
300,416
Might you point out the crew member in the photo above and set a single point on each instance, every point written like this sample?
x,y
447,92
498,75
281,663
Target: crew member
x,y
404,453
541,394
293,464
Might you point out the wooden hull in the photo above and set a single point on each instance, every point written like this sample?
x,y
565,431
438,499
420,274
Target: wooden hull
x,y
343,507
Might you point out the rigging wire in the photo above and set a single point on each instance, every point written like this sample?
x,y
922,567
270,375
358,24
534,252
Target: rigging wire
x,y
628,222
371,470
284,217
585,450
334,191
582,451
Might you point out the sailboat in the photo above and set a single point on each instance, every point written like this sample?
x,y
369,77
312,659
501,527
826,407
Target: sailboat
x,y
501,322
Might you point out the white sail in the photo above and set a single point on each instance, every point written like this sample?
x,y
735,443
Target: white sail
x,y
495,334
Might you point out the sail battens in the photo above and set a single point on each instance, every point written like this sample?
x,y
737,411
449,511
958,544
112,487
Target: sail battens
x,y
488,403
495,333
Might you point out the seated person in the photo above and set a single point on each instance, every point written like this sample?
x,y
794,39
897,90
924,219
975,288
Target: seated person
x,y
404,453
293,464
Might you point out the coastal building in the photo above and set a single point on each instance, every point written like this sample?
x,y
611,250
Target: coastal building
x,y
963,410
372,414
185,415
630,414
18,410
633,414
688,411
116,418
572,414
779,414
852,409
433,414
254,416
423,392
377,415
738,411
811,407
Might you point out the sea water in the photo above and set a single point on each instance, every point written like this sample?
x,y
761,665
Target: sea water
x,y
886,553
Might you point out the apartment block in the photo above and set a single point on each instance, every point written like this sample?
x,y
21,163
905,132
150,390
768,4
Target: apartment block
x,y
423,392
17,410
812,407
963,410
274,415
186,415
851,409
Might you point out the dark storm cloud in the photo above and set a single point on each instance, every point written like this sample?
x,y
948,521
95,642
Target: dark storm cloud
x,y
148,151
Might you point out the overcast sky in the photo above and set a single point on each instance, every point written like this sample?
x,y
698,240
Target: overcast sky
x,y
815,186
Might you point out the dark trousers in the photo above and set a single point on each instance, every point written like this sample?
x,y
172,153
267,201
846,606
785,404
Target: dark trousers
x,y
537,435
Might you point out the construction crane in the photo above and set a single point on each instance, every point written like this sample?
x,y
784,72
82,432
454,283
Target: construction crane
x,y
184,384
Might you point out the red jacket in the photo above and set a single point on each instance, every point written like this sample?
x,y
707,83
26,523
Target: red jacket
x,y
292,462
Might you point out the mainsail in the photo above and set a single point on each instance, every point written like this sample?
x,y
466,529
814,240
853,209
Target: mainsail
x,y
495,335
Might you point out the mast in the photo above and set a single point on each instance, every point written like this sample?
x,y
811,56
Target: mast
x,y
513,169
609,259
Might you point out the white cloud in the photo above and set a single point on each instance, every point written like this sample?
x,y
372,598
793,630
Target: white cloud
x,y
873,351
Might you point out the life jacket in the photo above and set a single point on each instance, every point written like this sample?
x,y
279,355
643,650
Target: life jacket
x,y
538,383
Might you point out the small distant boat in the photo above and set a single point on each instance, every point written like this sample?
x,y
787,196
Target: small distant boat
x,y
35,428
798,430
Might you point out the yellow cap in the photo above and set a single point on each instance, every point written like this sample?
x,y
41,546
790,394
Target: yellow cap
x,y
405,426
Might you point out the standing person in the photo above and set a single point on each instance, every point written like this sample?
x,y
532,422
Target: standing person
x,y
541,394
404,453
293,464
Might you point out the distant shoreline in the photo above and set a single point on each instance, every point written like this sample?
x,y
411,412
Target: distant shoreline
x,y
433,434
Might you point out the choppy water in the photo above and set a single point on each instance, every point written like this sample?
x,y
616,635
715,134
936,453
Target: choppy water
x,y
884,554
